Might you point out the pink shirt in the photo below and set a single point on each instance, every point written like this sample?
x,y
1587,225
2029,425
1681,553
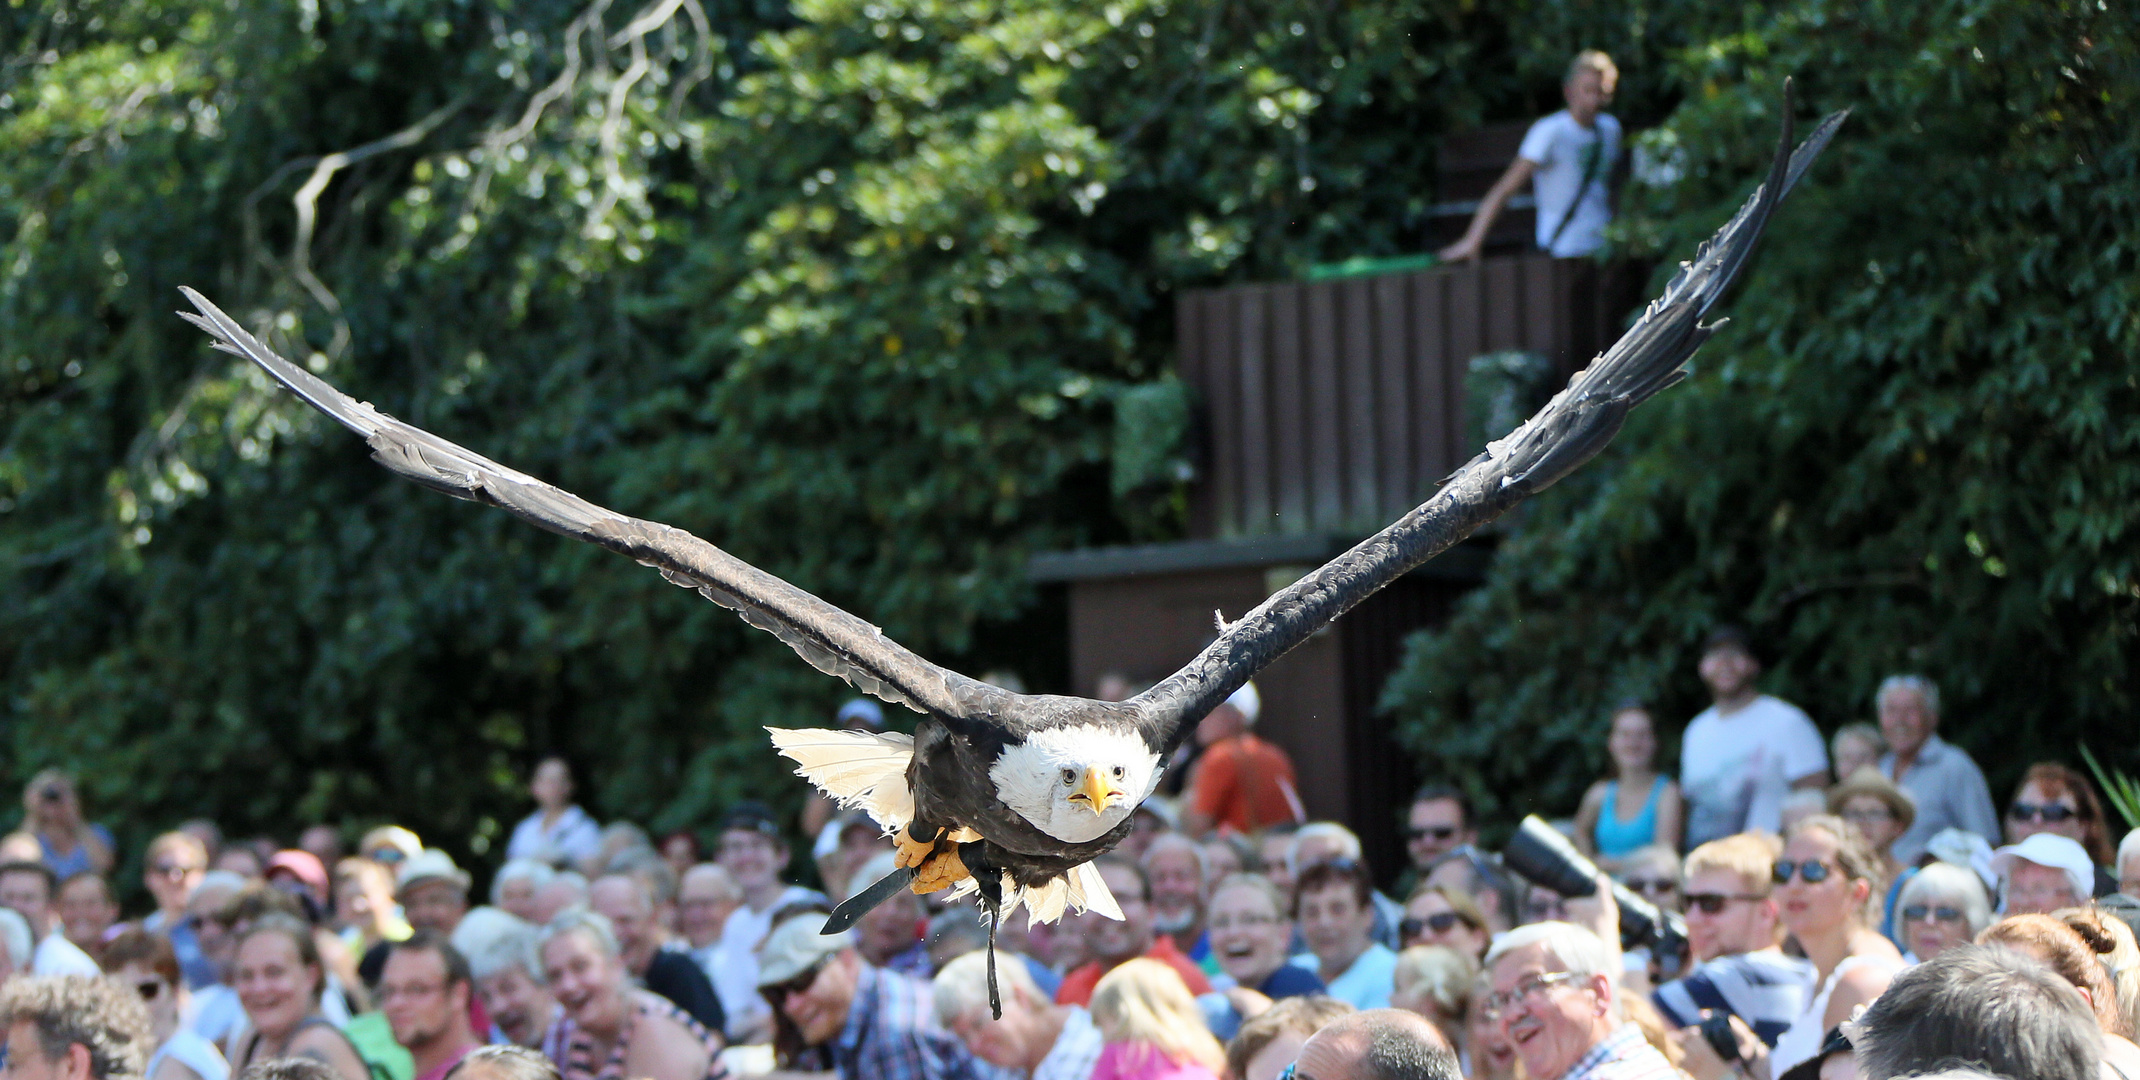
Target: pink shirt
x,y
1138,1061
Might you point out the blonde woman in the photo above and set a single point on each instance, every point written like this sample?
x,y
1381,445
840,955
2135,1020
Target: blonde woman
x,y
1152,1027
1435,982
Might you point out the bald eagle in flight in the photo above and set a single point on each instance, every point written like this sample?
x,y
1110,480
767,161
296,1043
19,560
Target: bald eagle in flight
x,y
1013,795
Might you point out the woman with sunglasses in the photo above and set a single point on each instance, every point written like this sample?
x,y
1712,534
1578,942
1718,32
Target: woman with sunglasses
x,y
1638,806
1825,883
612,1030
145,961
1440,915
2055,799
1941,906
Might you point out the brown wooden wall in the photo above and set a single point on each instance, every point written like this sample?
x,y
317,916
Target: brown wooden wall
x,y
1336,406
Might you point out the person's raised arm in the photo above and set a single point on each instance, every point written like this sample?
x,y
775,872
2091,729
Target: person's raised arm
x,y
1482,219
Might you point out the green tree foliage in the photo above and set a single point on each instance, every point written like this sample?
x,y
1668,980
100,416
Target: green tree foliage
x,y
1917,447
853,289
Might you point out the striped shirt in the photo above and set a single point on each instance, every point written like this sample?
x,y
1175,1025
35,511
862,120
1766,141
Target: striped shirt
x,y
1624,1055
574,1052
891,1034
1766,989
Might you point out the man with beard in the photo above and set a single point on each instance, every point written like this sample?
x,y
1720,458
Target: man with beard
x,y
1175,866
1113,942
424,991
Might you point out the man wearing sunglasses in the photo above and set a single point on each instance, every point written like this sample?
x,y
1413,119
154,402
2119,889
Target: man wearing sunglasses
x,y
872,1024
1553,987
1733,931
171,869
1438,823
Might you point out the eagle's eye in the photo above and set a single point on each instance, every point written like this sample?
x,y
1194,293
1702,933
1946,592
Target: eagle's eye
x,y
1118,772
1069,777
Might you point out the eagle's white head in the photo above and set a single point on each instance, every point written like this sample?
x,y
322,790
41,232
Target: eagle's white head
x,y
1076,782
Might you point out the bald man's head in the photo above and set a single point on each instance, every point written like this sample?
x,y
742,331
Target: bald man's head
x,y
1379,1044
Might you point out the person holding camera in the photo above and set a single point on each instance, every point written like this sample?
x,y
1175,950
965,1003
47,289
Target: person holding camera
x,y
52,815
1733,935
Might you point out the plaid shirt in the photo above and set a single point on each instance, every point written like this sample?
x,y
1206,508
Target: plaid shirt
x,y
891,1034
1624,1055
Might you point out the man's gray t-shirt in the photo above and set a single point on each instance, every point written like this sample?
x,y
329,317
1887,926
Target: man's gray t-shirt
x,y
1562,152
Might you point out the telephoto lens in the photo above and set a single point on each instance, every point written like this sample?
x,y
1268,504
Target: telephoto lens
x,y
1544,857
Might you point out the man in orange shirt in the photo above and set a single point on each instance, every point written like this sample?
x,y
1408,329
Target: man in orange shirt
x,y
1113,943
1240,782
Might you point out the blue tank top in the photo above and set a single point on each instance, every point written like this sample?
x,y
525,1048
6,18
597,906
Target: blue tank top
x,y
1615,837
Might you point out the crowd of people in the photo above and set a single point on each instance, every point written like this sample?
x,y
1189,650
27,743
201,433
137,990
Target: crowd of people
x,y
1844,910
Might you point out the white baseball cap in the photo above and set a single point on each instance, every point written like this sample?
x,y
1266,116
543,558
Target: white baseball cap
x,y
2054,851
796,946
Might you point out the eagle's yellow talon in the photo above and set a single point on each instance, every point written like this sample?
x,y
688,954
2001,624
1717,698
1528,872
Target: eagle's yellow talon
x,y
908,851
941,871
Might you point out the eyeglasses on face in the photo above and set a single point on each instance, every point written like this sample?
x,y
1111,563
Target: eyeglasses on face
x,y
2047,813
1714,903
778,993
1813,871
1531,986
1923,912
1434,832
1441,922
1652,887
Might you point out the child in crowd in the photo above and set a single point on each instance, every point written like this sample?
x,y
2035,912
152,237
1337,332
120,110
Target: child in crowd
x,y
1152,1027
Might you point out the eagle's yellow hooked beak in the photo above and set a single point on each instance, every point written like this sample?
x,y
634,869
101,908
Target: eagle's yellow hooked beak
x,y
1095,791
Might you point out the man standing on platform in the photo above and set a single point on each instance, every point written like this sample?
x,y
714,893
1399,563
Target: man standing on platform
x,y
1568,157
1239,782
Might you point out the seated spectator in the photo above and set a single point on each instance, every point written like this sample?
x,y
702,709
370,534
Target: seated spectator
x,y
1271,1040
558,833
1541,904
364,905
1568,158
1435,982
390,846
504,1063
2062,949
74,1028
1826,884
217,1012
634,919
2112,940
565,891
705,897
425,993
147,963
1488,1053
240,858
1491,890
1271,847
842,846
2041,874
1944,785
1798,805
894,934
612,1030
52,816
680,850
342,996
1113,942
1152,1028
1249,938
1035,1038
1652,873
1440,915
2128,867
2057,800
514,887
1328,841
957,931
1940,907
1733,937
1553,996
300,874
755,854
1992,1007
1855,746
278,978
87,912
171,869
1174,864
832,1008
1639,806
28,888
507,971
1225,856
1239,783
1383,1044
1880,810
1334,906
322,842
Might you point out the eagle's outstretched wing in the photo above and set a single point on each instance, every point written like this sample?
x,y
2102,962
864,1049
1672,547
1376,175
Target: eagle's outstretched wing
x,y
1569,431
832,640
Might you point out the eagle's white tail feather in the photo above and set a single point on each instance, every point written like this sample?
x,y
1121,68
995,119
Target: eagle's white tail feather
x,y
856,768
1089,892
1082,889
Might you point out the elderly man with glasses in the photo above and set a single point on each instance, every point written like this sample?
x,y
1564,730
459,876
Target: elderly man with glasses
x,y
832,1007
1733,932
1554,997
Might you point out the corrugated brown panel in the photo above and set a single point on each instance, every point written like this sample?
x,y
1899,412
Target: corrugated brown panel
x,y
1394,399
1429,369
1290,475
1215,376
1324,417
1252,513
1363,464
1544,292
1463,337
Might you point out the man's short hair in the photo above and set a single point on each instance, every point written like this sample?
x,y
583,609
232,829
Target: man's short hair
x,y
533,871
106,1018
1729,636
512,1062
1580,952
1400,1046
1348,842
580,920
196,852
961,989
1749,856
25,866
1302,1016
1450,792
1925,688
289,1068
1595,60
494,940
1346,873
1178,842
1981,1006
146,948
431,941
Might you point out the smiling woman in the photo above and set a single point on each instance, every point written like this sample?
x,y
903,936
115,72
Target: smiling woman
x,y
611,1029
278,977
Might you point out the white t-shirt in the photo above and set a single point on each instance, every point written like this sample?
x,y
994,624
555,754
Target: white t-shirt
x,y
56,955
734,971
1735,770
1561,152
